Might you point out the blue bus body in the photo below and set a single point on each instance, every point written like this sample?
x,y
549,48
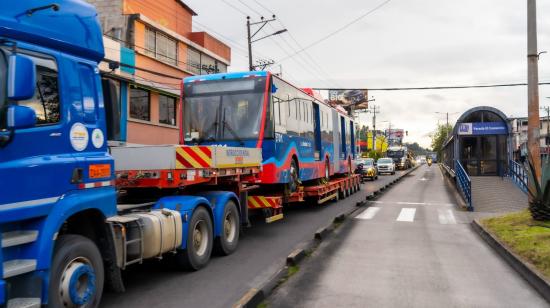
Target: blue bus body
x,y
258,109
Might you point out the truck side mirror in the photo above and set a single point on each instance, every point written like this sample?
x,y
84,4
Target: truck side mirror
x,y
21,117
21,77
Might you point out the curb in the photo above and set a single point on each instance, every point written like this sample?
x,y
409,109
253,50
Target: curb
x,y
528,272
256,296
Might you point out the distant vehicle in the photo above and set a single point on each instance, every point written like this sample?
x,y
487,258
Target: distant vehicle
x,y
385,165
366,168
401,157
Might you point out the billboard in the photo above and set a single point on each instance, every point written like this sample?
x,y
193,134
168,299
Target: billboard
x,y
358,98
395,135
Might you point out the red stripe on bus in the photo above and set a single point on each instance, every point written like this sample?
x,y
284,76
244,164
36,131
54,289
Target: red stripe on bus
x,y
264,113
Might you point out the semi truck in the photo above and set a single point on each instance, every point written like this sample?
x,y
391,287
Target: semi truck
x,y
71,218
76,212
401,156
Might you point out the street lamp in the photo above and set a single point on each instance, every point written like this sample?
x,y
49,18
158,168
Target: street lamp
x,y
251,36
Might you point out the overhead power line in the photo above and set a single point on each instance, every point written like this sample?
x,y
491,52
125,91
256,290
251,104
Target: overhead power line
x,y
337,30
437,87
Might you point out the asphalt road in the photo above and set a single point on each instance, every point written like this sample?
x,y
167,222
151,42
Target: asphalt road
x,y
262,251
410,248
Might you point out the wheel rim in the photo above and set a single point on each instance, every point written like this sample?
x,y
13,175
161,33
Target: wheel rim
x,y
77,285
200,237
230,227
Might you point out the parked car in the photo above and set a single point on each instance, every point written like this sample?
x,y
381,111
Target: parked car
x,y
366,168
385,165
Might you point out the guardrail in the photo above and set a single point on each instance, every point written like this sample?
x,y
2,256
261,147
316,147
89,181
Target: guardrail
x,y
518,175
464,184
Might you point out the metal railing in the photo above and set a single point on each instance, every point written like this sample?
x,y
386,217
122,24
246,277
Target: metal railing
x,y
518,174
464,184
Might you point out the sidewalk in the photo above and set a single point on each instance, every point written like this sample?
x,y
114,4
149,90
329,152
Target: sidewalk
x,y
411,248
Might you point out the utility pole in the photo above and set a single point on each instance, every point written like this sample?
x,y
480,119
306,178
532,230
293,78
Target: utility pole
x,y
250,36
375,109
533,121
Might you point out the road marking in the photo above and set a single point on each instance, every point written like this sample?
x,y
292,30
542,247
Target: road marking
x,y
406,214
413,203
446,217
369,213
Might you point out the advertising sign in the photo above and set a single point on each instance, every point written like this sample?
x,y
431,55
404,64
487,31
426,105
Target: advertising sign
x,y
486,128
358,98
395,135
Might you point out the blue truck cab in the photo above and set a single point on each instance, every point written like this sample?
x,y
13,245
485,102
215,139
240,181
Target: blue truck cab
x,y
63,235
53,145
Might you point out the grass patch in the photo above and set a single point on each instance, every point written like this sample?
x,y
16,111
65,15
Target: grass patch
x,y
292,270
262,305
527,238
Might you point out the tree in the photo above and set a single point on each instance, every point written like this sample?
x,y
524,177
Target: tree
x,y
440,136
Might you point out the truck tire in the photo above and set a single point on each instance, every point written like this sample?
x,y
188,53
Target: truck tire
x,y
199,242
76,277
228,240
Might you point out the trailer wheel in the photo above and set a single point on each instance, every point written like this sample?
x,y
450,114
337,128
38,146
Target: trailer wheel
x,y
199,242
76,277
228,241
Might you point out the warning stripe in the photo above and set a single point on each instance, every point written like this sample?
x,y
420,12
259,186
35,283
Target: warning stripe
x,y
260,202
193,157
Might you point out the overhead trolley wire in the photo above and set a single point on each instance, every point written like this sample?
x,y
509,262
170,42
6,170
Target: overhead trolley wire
x,y
437,87
338,30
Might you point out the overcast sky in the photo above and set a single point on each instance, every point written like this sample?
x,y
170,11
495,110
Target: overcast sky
x,y
406,43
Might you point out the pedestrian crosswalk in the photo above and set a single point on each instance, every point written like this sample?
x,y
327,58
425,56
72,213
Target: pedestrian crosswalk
x,y
445,216
406,214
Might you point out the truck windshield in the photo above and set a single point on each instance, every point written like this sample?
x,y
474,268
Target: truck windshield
x,y
395,154
223,109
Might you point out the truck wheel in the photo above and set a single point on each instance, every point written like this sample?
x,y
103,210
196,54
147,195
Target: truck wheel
x,y
228,241
76,278
199,242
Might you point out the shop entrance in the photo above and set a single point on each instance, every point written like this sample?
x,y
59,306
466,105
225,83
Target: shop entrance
x,y
484,155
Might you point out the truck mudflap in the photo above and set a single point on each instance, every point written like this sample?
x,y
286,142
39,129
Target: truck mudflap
x,y
271,205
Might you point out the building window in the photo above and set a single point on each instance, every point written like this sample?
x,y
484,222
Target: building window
x,y
222,68
167,110
161,46
140,104
193,61
208,65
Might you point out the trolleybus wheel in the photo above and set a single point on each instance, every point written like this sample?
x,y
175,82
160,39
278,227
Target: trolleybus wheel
x,y
76,278
294,176
228,241
199,242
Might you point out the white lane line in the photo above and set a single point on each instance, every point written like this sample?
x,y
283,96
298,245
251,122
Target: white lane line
x,y
413,203
369,213
406,214
446,217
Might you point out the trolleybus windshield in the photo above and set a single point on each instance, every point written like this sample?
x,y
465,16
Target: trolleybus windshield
x,y
228,109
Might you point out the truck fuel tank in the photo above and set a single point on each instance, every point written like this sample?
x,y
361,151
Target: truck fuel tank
x,y
161,232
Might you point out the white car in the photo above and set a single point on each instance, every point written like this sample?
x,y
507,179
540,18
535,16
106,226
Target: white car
x,y
385,165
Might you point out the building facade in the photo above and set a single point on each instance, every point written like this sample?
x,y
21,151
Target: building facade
x,y
519,140
150,46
